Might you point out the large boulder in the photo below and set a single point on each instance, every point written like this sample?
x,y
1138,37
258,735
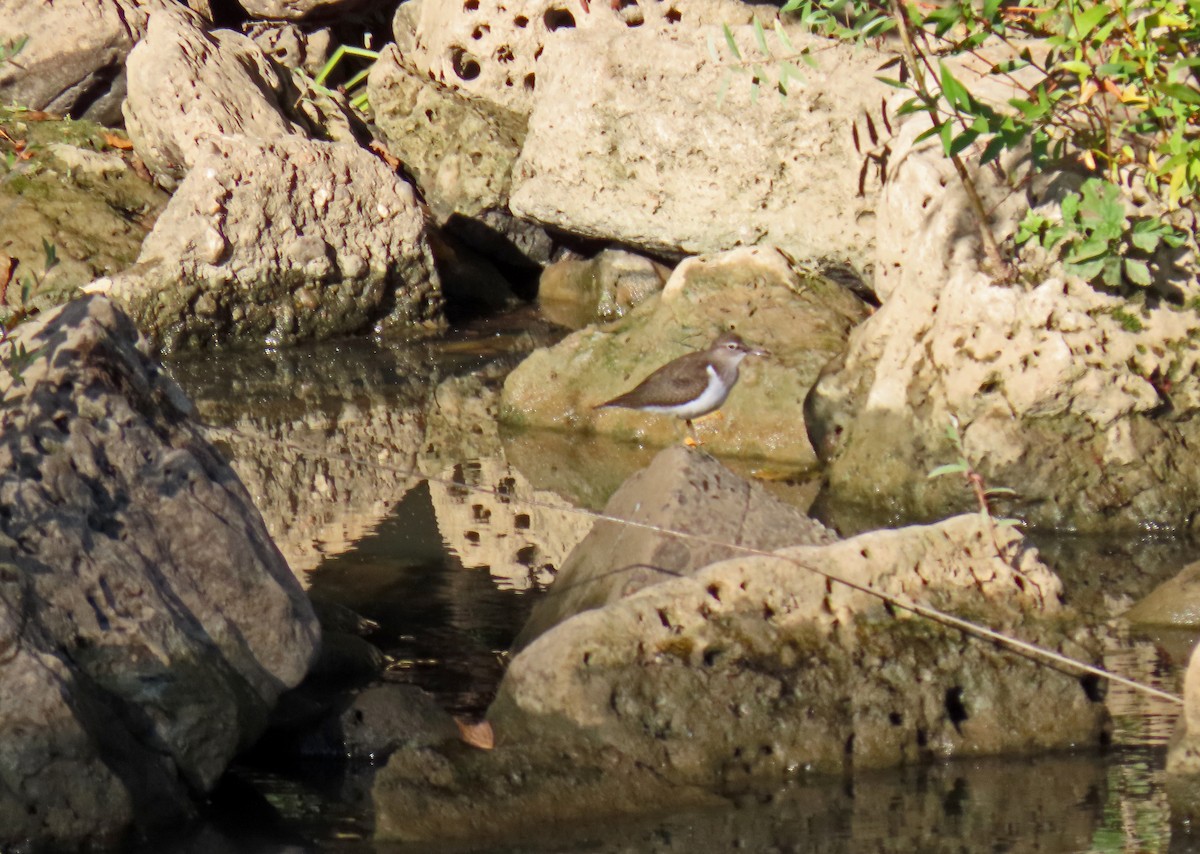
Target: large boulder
x,y
1080,399
619,558
496,50
460,152
273,242
221,83
756,670
630,140
150,622
803,322
73,58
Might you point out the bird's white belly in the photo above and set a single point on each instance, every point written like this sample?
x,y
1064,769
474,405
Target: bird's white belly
x,y
712,397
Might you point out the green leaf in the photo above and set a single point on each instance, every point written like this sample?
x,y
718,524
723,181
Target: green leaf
x,y
1146,241
1138,272
1091,248
733,48
948,468
760,38
954,92
1087,21
784,39
999,490
51,253
962,141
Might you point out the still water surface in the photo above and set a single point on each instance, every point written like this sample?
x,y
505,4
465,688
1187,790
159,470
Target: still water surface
x,y
366,460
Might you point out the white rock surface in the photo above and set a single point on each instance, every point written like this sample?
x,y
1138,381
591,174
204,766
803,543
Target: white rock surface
x,y
629,140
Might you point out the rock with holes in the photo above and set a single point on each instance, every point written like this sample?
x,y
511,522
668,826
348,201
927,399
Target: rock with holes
x,y
1083,404
756,670
495,49
631,140
72,54
755,666
460,152
803,321
148,622
221,83
682,491
274,242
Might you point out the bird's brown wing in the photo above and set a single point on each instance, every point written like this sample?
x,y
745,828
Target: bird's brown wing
x,y
674,383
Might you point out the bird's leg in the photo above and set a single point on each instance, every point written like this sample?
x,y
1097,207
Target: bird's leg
x,y
692,441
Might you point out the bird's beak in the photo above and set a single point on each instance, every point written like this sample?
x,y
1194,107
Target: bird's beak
x,y
759,351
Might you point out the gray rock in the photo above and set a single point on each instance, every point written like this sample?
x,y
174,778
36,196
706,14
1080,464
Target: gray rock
x,y
73,62
279,242
629,141
803,322
378,720
151,623
684,491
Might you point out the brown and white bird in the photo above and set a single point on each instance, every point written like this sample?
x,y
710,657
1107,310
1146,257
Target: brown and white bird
x,y
692,385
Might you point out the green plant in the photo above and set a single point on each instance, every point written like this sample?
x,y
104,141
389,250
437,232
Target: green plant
x,y
357,81
14,356
10,49
1110,84
1099,242
983,493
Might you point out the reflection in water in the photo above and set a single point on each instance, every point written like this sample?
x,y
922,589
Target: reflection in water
x,y
384,520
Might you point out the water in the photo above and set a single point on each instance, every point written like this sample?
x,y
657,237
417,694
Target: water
x,y
364,460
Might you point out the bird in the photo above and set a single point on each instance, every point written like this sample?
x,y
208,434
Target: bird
x,y
695,384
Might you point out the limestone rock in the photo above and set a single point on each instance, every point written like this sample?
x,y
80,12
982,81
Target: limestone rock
x,y
1079,399
1175,602
683,491
497,50
150,622
756,666
294,10
1183,755
292,47
73,62
629,141
461,152
575,292
802,322
221,83
278,242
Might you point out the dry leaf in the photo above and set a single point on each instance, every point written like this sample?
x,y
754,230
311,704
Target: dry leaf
x,y
386,156
478,735
7,266
118,142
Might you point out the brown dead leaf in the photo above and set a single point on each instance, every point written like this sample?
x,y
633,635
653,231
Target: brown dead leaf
x,y
478,735
118,142
140,169
38,116
386,156
8,266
